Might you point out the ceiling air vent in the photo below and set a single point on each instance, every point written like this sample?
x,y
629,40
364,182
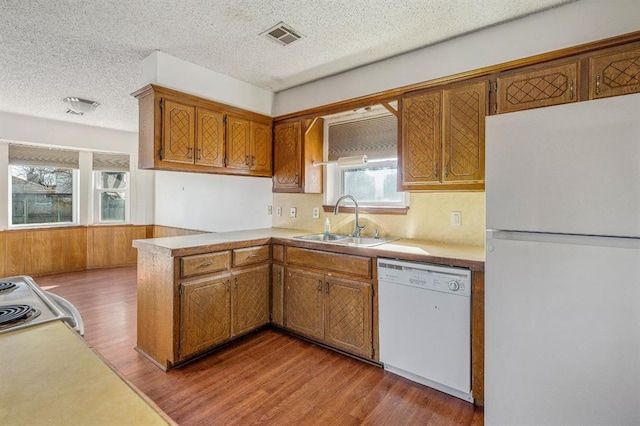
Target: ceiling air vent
x,y
282,34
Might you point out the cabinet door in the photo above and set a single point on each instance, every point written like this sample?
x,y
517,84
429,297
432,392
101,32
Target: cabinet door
x,y
304,302
261,147
250,299
421,139
348,306
178,132
465,108
277,294
238,136
288,157
209,138
614,74
538,88
205,318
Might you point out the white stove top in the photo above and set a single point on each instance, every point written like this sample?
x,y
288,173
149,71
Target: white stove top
x,y
19,293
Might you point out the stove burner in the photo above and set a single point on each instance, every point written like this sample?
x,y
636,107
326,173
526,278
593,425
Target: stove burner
x,y
4,286
11,314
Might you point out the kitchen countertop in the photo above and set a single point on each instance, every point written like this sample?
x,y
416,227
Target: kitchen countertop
x,y
55,378
408,249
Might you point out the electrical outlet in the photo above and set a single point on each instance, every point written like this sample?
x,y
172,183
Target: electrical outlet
x,y
278,211
269,209
316,212
456,218
292,212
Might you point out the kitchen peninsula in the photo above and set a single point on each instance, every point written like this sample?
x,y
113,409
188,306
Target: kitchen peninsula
x,y
198,292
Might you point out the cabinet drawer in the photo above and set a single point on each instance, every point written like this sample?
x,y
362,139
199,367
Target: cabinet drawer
x,y
204,263
353,265
250,255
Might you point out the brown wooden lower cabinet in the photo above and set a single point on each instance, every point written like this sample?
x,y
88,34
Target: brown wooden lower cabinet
x,y
335,311
250,298
205,314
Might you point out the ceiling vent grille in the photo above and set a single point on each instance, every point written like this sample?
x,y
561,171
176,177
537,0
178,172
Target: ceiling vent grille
x,y
282,33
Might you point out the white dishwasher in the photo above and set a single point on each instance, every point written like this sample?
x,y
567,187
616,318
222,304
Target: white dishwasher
x,y
425,324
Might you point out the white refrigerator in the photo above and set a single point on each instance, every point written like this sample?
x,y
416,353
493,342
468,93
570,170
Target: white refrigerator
x,y
562,307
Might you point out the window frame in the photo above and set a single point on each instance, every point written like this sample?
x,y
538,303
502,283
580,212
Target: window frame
x,y
75,200
97,197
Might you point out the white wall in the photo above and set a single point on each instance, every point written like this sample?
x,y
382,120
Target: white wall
x,y
168,71
566,26
201,201
41,131
212,202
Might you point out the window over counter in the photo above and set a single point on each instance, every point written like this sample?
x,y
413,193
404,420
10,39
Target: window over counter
x,y
43,186
370,134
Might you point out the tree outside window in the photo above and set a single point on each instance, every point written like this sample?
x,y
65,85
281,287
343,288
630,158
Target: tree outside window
x,y
41,195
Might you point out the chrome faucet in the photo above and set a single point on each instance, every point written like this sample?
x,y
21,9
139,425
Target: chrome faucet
x,y
356,226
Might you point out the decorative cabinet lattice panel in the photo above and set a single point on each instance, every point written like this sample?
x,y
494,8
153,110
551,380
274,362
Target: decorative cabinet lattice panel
x,y
288,156
304,302
238,143
250,299
421,138
178,132
614,74
538,88
205,315
261,147
464,113
443,138
296,147
348,309
209,138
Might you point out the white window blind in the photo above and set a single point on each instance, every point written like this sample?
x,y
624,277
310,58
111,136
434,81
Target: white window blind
x,y
375,137
27,155
111,162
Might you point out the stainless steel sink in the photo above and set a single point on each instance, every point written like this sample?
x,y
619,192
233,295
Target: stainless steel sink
x,y
345,240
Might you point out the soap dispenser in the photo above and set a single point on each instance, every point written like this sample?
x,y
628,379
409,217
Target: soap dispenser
x,y
327,227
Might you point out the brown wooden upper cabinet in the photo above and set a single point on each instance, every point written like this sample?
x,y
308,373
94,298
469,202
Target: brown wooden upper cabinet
x,y
297,144
442,133
188,133
615,72
249,145
538,87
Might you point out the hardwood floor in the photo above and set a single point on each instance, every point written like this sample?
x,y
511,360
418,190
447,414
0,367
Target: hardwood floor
x,y
266,378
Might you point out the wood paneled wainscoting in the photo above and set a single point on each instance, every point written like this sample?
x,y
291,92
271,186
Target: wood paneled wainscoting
x,y
46,251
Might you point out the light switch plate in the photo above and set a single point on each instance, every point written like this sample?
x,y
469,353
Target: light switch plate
x,y
269,209
278,211
316,212
292,212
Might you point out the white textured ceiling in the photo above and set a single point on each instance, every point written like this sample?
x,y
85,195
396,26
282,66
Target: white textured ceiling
x,y
51,49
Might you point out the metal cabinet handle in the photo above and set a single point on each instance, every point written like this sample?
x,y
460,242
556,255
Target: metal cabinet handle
x,y
319,285
247,160
446,171
598,84
296,179
236,279
228,285
437,171
204,265
571,89
190,152
326,287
